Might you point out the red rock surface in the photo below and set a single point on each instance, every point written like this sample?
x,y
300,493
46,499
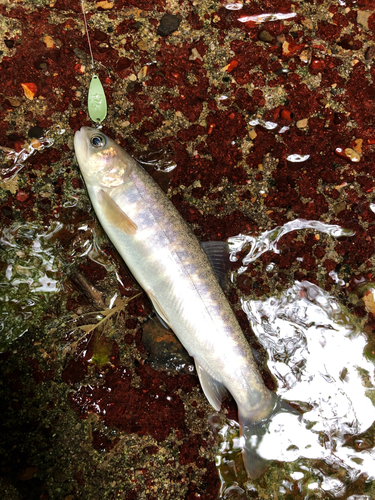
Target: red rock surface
x,y
191,95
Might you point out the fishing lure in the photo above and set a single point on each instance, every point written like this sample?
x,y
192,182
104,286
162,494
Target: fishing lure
x,y
96,101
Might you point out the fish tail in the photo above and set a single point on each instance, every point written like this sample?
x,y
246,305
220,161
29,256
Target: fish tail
x,y
253,432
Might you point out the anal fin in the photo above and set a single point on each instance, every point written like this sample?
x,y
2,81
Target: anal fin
x,y
213,390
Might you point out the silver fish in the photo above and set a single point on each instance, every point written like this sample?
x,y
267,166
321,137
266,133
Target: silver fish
x,y
169,263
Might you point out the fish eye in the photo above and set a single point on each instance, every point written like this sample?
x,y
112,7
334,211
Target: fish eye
x,y
98,141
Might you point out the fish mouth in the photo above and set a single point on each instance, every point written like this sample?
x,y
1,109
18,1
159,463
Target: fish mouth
x,y
81,142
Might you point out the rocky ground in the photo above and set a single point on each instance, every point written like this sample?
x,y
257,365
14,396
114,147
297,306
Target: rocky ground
x,y
249,115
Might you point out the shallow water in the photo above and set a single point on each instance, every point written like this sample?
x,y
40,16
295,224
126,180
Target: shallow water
x,y
322,362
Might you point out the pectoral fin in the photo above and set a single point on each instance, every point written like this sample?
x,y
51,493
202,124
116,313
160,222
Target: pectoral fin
x,y
115,216
213,390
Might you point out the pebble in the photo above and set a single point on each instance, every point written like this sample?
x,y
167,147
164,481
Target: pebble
x,y
348,153
307,23
302,123
104,5
29,89
265,36
14,102
363,17
368,299
35,132
339,207
50,44
168,24
21,196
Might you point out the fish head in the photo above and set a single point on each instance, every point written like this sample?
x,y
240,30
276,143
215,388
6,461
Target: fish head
x,y
101,160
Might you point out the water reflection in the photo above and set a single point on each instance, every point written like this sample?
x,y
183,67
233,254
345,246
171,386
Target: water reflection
x,y
31,274
19,158
268,240
261,18
317,355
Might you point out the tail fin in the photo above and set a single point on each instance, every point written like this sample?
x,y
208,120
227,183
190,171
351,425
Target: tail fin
x,y
253,433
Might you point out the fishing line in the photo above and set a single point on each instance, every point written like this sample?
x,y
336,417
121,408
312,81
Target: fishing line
x,y
87,33
96,100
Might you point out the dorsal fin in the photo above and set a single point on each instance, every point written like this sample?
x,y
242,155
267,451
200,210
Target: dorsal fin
x,y
217,253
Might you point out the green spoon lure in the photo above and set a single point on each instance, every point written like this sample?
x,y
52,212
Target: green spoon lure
x,y
97,102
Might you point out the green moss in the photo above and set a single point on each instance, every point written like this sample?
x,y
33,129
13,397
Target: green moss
x,y
102,351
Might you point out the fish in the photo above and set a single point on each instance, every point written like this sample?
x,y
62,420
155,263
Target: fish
x,y
172,267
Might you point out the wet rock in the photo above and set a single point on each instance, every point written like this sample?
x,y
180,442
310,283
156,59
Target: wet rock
x,y
165,350
35,132
265,36
168,24
282,71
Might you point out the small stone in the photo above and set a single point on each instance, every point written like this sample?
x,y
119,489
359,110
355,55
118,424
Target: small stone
x,y
35,143
50,44
252,134
21,196
368,299
142,45
357,146
339,187
29,89
142,73
348,153
286,114
285,48
168,24
339,207
195,55
307,23
302,123
36,132
104,5
14,102
305,56
265,36
352,155
28,473
363,17
229,67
